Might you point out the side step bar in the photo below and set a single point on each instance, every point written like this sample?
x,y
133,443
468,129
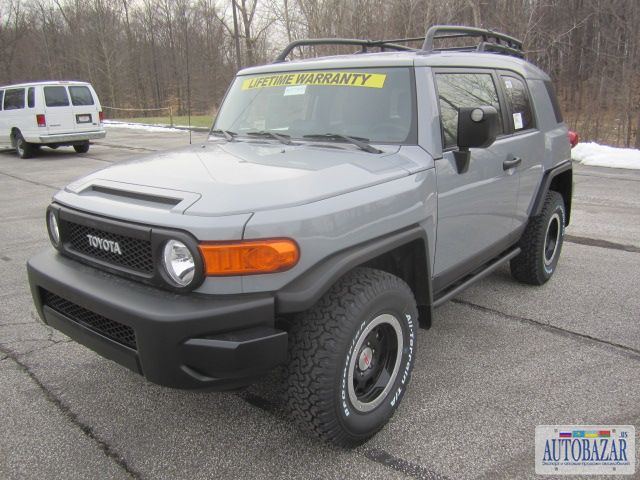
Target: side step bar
x,y
455,290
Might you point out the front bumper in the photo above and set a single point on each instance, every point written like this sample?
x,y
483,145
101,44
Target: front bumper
x,y
73,137
180,341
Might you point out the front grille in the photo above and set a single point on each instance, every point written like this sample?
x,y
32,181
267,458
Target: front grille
x,y
116,331
136,254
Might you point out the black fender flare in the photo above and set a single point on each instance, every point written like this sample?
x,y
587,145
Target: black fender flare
x,y
305,290
545,185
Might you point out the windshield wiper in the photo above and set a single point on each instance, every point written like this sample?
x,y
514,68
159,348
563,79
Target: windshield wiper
x,y
282,138
359,142
227,134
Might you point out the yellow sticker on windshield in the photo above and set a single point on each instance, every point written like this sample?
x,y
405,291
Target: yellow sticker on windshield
x,y
340,79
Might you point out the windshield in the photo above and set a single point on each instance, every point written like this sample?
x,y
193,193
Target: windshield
x,y
376,104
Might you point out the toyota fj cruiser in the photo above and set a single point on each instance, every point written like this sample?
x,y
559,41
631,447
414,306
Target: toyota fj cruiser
x,y
337,201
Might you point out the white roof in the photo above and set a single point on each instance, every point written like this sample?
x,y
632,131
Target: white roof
x,y
50,82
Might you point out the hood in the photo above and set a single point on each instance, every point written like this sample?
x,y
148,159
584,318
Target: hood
x,y
218,178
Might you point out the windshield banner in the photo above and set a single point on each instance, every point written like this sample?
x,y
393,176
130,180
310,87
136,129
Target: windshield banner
x,y
340,79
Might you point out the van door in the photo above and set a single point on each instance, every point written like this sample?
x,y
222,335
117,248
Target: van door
x,y
58,113
85,108
13,112
4,131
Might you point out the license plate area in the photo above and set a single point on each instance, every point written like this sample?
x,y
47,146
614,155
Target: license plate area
x,y
83,118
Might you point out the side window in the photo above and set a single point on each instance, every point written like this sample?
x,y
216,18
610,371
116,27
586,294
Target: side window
x,y
1,98
520,103
56,97
457,90
31,97
554,101
14,99
80,96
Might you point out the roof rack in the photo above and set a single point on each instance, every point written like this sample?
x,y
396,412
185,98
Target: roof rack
x,y
364,44
490,41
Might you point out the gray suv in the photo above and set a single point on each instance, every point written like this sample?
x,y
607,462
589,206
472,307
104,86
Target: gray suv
x,y
336,203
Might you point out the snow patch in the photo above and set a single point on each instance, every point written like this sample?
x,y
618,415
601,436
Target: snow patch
x,y
597,155
142,126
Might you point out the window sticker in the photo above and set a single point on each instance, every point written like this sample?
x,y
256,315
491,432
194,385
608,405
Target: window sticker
x,y
508,84
336,79
517,121
295,90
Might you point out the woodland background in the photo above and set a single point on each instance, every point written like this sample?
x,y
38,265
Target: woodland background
x,y
149,54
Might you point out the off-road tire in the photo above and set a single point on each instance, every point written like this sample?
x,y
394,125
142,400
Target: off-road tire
x,y
23,148
321,349
533,265
81,148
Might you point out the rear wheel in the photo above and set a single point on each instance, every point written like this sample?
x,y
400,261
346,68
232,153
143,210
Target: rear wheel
x,y
23,148
351,357
82,147
541,243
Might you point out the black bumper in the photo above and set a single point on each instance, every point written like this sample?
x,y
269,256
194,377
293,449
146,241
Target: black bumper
x,y
177,340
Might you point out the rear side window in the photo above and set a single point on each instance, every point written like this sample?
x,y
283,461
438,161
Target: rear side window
x,y
14,99
31,97
81,96
554,101
520,103
1,98
458,90
56,97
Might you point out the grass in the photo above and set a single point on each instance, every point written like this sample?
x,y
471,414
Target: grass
x,y
182,120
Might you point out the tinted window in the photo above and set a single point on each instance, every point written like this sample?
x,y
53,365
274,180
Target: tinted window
x,y
56,97
1,98
518,98
457,90
31,97
554,101
14,99
374,103
81,96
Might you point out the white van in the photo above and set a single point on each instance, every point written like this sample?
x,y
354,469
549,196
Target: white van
x,y
49,113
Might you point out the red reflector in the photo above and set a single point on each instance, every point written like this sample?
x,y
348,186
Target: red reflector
x,y
42,122
101,115
573,138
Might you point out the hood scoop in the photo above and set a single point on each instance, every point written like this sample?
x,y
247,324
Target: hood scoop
x,y
140,195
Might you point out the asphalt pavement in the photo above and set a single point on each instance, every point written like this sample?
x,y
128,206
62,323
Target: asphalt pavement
x,y
500,359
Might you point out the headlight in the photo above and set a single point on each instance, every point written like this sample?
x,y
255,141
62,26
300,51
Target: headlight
x,y
54,231
179,262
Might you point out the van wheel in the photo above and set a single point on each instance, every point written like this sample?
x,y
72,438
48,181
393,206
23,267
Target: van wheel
x,y
81,148
351,357
24,149
541,243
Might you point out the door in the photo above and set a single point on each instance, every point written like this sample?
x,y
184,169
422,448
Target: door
x,y
85,109
58,112
477,208
13,112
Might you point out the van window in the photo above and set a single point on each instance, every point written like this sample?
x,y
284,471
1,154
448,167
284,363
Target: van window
x,y
14,99
457,90
31,97
80,96
518,99
56,97
1,98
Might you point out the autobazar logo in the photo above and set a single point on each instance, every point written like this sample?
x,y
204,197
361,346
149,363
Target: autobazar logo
x,y
585,449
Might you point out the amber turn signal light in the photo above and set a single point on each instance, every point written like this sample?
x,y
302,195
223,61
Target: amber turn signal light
x,y
249,257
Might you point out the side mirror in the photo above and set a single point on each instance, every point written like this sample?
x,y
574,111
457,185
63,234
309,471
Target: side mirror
x,y
478,127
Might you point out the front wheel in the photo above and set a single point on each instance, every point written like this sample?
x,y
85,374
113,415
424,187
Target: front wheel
x,y
541,243
351,357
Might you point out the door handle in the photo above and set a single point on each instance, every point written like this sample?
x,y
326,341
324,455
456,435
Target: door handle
x,y
513,162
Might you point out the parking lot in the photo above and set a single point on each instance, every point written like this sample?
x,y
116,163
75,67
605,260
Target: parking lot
x,y
499,360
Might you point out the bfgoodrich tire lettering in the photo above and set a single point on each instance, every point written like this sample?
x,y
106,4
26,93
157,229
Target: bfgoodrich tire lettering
x,y
541,243
323,357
